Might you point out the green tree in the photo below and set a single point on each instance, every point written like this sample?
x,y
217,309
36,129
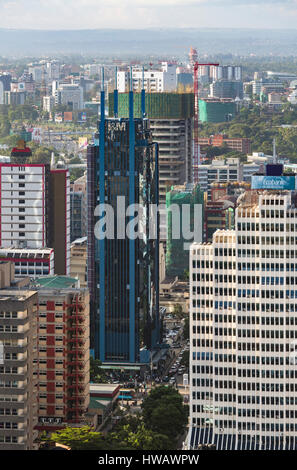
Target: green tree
x,y
80,438
146,439
163,412
178,311
132,433
41,155
97,375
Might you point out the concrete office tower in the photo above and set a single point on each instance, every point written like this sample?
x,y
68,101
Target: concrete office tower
x,y
35,208
226,89
24,207
48,103
63,352
6,80
15,98
171,123
78,208
78,260
59,229
53,70
243,304
226,72
70,95
123,273
18,344
229,170
32,262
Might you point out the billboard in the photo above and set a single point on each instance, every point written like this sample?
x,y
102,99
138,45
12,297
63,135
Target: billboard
x,y
36,135
58,117
83,143
67,116
82,117
274,182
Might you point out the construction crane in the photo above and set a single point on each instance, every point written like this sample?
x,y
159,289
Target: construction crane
x,y
196,158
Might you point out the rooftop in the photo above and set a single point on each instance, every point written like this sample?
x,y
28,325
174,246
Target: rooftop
x,y
15,295
55,282
103,388
96,403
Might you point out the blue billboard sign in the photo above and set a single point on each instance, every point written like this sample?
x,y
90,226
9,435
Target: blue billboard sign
x,y
274,182
82,117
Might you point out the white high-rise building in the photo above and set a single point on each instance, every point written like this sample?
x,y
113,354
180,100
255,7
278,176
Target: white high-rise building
x,y
243,328
154,80
23,203
230,169
53,70
35,214
48,103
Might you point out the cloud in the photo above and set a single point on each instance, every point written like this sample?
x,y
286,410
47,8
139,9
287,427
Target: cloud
x,y
91,14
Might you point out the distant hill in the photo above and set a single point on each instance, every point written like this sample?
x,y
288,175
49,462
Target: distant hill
x,y
145,42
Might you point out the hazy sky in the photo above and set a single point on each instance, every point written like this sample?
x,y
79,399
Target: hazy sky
x,y
89,14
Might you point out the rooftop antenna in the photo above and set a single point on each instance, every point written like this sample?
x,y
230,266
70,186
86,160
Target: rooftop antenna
x,y
115,95
143,95
131,79
52,160
274,151
102,99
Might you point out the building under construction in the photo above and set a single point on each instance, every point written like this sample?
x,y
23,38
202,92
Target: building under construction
x,y
171,123
216,110
177,254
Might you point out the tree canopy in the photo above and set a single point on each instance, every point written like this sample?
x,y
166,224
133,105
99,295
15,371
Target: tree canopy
x,y
164,412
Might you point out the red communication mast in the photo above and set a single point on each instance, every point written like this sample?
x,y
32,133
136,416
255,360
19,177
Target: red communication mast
x,y
196,120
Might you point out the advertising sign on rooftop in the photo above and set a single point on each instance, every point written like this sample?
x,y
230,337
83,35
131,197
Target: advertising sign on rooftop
x,y
82,117
67,116
274,182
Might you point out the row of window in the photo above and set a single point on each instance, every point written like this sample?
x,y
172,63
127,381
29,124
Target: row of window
x,y
8,439
8,411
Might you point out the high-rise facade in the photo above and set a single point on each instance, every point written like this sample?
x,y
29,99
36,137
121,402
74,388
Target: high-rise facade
x,y
230,170
18,348
35,208
243,324
70,95
171,123
151,80
24,208
184,206
59,229
62,361
123,270
226,89
78,209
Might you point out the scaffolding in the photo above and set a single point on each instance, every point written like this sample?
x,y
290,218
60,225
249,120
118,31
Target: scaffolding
x,y
157,105
177,257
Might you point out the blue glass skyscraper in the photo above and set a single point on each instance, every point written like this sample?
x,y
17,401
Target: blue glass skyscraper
x,y
123,271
